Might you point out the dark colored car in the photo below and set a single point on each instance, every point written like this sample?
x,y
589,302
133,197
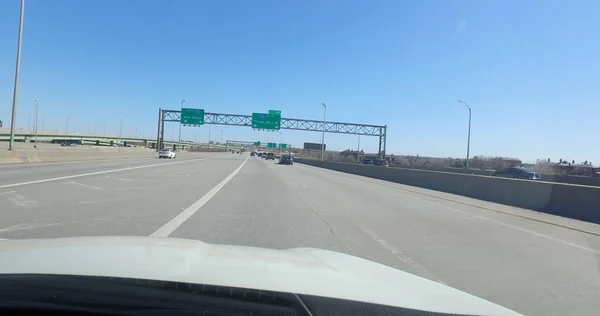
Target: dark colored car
x,y
375,162
517,173
286,160
368,161
271,156
253,153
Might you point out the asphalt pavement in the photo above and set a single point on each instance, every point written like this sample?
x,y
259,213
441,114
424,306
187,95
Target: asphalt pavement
x,y
534,263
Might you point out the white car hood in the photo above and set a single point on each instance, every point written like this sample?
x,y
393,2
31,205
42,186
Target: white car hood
x,y
299,270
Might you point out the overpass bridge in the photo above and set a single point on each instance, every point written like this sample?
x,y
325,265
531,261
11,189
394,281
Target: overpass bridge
x,y
29,136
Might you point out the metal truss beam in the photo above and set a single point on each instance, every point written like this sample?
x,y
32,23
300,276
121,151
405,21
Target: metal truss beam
x,y
286,123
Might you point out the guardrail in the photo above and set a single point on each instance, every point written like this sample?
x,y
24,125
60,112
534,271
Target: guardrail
x,y
568,200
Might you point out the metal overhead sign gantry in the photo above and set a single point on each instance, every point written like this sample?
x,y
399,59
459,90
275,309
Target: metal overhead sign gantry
x,y
286,123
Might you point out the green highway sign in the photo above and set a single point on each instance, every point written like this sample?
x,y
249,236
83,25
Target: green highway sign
x,y
271,145
282,146
266,121
192,116
275,112
257,143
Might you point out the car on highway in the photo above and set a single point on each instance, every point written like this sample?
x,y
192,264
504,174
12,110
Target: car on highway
x,y
167,153
375,162
253,153
286,160
127,275
517,173
270,156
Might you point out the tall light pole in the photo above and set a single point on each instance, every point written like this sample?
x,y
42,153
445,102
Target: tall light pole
x,y
66,128
469,135
35,123
280,140
16,86
221,141
323,137
120,128
181,109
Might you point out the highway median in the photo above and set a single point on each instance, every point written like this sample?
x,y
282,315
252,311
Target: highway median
x,y
73,154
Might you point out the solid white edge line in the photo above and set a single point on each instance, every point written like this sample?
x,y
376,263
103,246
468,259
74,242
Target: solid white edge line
x,y
174,223
97,173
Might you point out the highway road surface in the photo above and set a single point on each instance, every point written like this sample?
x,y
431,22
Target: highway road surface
x,y
533,263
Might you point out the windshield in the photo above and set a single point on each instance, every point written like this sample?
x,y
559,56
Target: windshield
x,y
527,170
455,141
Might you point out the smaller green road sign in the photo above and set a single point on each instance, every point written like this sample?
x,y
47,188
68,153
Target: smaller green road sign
x,y
275,112
192,116
282,146
257,143
266,121
271,145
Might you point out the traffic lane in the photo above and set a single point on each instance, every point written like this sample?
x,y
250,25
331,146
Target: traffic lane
x,y
257,209
566,231
130,202
11,174
518,263
513,261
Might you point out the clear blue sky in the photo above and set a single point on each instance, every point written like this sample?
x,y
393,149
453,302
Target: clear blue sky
x,y
529,69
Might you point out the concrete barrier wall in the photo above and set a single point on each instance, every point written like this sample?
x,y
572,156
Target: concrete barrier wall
x,y
36,156
545,178
574,201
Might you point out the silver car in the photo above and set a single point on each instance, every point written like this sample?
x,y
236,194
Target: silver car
x,y
167,153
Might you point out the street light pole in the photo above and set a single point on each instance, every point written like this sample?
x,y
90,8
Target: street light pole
x,y
66,128
323,136
221,141
16,86
181,109
469,135
35,123
120,128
